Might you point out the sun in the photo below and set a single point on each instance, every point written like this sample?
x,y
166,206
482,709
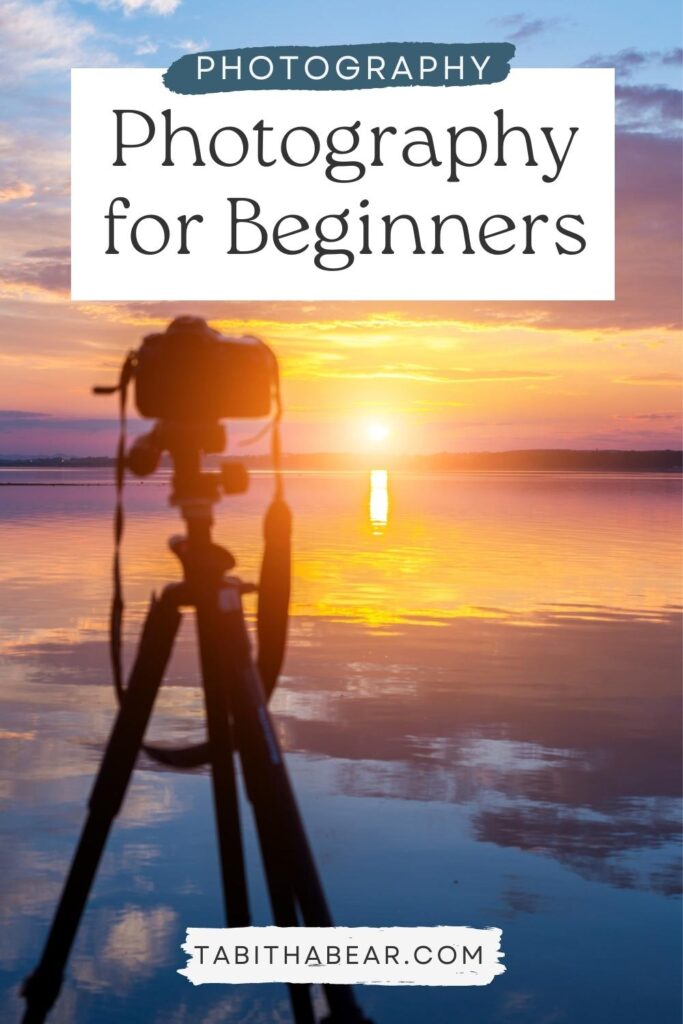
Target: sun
x,y
377,431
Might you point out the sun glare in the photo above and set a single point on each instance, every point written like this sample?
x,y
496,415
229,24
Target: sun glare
x,y
377,432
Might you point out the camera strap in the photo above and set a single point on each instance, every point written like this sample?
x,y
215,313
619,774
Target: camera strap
x,y
274,588
117,605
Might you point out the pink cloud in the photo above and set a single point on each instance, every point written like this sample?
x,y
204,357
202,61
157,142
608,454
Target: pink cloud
x,y
15,190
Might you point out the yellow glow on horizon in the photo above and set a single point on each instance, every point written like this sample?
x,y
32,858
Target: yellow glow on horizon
x,y
372,379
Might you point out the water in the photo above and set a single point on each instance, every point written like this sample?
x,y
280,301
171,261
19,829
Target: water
x,y
480,708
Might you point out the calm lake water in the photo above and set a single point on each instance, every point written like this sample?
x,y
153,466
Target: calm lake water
x,y
481,710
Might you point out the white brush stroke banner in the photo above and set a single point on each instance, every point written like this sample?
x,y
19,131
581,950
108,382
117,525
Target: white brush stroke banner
x,y
441,955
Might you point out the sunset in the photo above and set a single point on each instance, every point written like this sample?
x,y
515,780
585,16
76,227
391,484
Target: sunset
x,y
511,379
341,636
456,376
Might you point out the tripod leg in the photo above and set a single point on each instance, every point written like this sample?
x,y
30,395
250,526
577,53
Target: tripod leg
x,y
226,805
290,867
283,904
287,855
279,889
161,625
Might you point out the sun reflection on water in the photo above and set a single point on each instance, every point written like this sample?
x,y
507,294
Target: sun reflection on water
x,y
379,500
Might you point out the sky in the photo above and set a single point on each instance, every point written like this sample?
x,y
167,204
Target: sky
x,y
412,377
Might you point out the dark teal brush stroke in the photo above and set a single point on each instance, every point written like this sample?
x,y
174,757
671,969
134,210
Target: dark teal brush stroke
x,y
181,77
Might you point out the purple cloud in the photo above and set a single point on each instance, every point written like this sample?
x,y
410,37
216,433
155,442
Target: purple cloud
x,y
522,26
627,61
48,268
649,107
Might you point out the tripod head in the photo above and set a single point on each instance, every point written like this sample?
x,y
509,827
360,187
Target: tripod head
x,y
193,490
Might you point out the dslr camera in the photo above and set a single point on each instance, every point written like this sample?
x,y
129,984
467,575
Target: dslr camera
x,y
191,374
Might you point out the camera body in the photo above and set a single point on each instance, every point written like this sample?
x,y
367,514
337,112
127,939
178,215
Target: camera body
x,y
192,374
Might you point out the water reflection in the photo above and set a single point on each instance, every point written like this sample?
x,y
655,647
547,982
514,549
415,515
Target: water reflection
x,y
481,706
379,500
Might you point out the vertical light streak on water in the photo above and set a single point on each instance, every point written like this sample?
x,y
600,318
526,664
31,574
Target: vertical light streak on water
x,y
379,500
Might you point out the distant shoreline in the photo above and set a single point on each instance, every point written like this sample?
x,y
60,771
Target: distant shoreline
x,y
534,460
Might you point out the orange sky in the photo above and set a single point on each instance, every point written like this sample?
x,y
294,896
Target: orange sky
x,y
441,376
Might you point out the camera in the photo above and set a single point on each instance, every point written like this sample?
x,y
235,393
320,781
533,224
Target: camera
x,y
190,373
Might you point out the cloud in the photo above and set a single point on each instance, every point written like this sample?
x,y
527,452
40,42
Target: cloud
x,y
630,60
10,418
523,26
191,45
39,160
646,107
425,374
15,190
649,108
161,7
45,269
19,419
145,47
60,252
652,417
671,380
34,160
44,38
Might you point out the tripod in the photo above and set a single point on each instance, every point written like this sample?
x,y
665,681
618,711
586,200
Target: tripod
x,y
238,722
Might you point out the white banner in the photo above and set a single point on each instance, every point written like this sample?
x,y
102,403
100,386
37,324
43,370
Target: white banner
x,y
502,191
345,956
